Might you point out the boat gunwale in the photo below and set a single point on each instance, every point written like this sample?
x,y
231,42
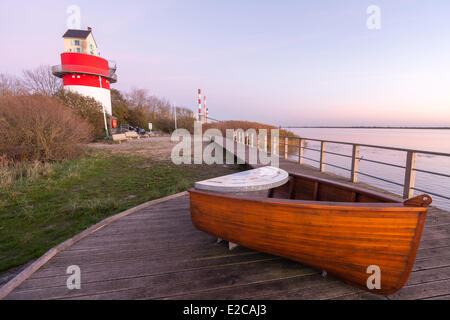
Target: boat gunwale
x,y
350,206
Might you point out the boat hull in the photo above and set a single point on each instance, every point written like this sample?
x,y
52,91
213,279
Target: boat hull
x,y
345,239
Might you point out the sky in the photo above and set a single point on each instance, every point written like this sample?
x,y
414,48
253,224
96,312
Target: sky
x,y
279,62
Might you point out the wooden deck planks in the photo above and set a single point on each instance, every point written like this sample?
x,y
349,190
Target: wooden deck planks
x,y
156,253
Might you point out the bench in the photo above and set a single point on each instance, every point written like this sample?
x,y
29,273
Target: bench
x,y
119,137
132,135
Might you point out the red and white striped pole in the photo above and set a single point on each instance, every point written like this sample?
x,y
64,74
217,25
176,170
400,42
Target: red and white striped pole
x,y
205,110
199,104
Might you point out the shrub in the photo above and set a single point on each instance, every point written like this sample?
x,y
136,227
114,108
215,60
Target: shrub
x,y
138,118
86,108
120,107
37,127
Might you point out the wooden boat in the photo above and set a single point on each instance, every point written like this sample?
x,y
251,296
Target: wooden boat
x,y
331,226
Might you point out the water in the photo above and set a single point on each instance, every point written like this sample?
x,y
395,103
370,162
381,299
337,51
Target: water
x,y
417,139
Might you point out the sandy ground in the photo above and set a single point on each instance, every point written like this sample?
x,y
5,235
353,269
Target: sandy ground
x,y
154,147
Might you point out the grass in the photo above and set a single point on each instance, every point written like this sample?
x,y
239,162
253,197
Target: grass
x,y
37,213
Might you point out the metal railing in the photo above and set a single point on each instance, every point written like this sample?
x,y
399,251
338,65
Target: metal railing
x,y
60,70
112,65
355,158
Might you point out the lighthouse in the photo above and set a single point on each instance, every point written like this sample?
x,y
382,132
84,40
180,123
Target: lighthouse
x,y
82,69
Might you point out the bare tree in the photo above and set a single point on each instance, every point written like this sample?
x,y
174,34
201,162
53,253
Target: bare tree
x,y
144,108
138,97
153,106
10,85
185,118
41,80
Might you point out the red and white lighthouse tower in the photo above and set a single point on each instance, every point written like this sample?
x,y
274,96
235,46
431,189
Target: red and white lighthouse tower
x,y
83,71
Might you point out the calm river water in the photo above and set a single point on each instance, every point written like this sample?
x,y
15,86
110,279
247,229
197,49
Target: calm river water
x,y
417,139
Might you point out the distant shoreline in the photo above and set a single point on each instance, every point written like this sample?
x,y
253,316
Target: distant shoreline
x,y
362,127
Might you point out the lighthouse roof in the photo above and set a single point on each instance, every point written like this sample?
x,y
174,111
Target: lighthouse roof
x,y
73,33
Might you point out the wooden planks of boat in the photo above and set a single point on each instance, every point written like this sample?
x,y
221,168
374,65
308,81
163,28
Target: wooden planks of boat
x,y
331,226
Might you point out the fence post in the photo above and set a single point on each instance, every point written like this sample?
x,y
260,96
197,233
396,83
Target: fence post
x,y
410,175
323,145
301,145
286,144
276,142
257,140
355,163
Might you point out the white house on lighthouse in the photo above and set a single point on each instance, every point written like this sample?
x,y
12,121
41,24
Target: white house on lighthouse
x,y
83,70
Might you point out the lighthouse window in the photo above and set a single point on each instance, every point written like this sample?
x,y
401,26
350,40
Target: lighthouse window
x,y
77,42
78,50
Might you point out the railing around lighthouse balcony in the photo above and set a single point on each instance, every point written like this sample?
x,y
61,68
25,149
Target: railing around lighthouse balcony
x,y
60,70
112,65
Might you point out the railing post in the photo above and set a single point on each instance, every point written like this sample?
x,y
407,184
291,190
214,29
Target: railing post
x,y
275,147
286,141
410,175
301,145
323,145
265,143
355,163
257,141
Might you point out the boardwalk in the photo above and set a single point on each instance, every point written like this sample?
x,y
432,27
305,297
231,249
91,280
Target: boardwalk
x,y
156,253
